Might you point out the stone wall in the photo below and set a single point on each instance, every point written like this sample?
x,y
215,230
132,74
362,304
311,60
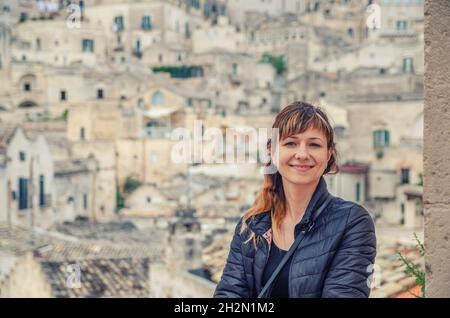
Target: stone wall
x,y
436,147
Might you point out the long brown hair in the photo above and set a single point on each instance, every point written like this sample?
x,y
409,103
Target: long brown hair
x,y
293,119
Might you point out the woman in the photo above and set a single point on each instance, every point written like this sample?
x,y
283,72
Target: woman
x,y
337,246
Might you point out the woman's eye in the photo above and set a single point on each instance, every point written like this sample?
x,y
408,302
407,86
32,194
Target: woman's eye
x,y
290,143
315,145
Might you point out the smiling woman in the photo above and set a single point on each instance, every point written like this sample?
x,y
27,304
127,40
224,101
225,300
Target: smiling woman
x,y
297,240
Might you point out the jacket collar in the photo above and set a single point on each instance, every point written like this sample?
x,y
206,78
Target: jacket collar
x,y
261,223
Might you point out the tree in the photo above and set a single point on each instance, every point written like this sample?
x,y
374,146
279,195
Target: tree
x,y
277,62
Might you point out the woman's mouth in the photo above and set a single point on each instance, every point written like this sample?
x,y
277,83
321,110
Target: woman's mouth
x,y
302,168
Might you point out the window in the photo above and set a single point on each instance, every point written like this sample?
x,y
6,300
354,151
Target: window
x,y
88,45
118,23
82,135
85,201
21,155
158,98
100,93
350,32
401,25
339,131
380,138
141,103
160,58
146,23
408,65
23,17
27,87
358,192
189,101
138,46
23,193
402,217
38,44
41,191
234,68
404,172
62,95
187,31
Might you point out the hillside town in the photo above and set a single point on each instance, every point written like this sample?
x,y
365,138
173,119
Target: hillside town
x,y
92,91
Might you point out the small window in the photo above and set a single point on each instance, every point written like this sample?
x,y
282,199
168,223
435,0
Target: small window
x,y
146,23
381,138
21,155
408,65
38,44
158,98
141,103
82,133
404,175
350,32
23,17
62,95
42,190
402,25
118,23
138,46
27,87
189,101
85,201
88,45
100,94
234,68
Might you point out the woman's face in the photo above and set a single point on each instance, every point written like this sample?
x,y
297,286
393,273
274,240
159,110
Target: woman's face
x,y
303,157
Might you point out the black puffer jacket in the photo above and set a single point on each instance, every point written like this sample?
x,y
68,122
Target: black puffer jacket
x,y
333,260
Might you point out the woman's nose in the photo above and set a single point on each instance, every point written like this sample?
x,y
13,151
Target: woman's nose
x,y
301,153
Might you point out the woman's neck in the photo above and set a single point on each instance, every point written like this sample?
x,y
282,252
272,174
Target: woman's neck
x,y
297,199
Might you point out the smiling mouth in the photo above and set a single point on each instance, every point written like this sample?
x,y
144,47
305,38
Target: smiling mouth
x,y
302,168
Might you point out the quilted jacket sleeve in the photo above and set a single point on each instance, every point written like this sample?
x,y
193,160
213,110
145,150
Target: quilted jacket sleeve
x,y
350,267
233,283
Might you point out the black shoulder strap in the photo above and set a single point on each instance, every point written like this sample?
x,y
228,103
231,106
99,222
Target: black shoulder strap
x,y
291,251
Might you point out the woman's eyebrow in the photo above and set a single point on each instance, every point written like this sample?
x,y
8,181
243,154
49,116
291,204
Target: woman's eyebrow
x,y
295,137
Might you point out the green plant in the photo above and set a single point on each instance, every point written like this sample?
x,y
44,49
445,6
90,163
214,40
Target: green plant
x,y
119,200
65,114
379,152
414,269
420,182
277,62
131,185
